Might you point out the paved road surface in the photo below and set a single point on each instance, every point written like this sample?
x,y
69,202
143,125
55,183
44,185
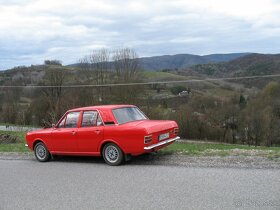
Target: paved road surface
x,y
84,184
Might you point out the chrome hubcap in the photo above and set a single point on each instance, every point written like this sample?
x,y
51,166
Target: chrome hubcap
x,y
41,152
111,154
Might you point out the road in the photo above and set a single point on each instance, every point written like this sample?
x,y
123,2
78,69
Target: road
x,y
85,184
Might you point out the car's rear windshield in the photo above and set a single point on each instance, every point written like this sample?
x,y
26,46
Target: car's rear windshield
x,y
128,114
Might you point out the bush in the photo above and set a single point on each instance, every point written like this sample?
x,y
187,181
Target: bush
x,y
177,89
8,139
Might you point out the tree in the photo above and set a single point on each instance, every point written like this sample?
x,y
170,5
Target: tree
x,y
242,101
97,69
126,64
97,66
55,78
178,89
127,69
53,62
230,123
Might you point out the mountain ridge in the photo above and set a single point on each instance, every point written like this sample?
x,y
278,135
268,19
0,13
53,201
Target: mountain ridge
x,y
250,65
179,61
176,61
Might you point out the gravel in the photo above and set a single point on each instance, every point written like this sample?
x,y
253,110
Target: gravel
x,y
237,161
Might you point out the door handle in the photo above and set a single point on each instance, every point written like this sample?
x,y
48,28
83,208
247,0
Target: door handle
x,y
73,132
97,131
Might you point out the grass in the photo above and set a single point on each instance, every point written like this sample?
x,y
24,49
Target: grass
x,y
17,147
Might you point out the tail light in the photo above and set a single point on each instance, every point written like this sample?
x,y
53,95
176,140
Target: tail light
x,y
148,139
176,131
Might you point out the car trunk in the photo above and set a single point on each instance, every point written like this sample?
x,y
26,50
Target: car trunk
x,y
159,129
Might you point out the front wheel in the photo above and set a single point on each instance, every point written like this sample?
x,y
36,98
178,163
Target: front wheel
x,y
41,152
112,154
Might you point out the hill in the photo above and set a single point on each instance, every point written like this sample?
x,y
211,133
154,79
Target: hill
x,y
184,60
249,65
180,61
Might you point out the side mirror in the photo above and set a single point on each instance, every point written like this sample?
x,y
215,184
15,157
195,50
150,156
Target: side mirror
x,y
53,125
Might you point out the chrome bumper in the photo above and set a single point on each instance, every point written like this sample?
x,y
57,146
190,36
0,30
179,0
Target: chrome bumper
x,y
161,143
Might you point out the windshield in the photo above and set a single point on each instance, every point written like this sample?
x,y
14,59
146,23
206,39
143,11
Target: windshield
x,y
128,114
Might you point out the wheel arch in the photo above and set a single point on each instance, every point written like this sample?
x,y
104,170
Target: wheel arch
x,y
103,143
37,141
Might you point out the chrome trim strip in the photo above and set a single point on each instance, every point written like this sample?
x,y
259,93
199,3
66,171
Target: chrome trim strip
x,y
26,145
161,143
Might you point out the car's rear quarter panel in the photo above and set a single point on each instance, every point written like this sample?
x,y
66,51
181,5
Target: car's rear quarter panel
x,y
130,139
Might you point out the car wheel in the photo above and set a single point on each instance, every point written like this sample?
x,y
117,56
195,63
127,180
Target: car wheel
x,y
112,154
41,152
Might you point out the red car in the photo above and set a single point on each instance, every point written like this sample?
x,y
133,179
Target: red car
x,y
116,132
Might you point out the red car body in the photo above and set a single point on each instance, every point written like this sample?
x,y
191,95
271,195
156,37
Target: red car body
x,y
93,127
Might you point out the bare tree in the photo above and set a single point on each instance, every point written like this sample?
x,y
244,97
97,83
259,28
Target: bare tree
x,y
230,122
126,64
126,68
96,67
55,78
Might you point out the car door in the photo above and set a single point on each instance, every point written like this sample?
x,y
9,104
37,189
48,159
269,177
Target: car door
x,y
90,132
64,136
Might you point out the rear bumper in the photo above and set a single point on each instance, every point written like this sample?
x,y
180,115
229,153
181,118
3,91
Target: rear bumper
x,y
161,143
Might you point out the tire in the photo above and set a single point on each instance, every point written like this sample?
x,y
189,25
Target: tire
x,y
112,154
41,152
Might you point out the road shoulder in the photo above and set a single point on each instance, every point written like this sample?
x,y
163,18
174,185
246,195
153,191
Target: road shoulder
x,y
170,160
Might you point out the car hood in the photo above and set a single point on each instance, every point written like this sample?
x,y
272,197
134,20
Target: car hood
x,y
153,126
46,130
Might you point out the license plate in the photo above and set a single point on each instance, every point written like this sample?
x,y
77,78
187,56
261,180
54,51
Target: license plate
x,y
163,136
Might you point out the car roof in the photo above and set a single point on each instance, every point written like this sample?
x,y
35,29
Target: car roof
x,y
101,107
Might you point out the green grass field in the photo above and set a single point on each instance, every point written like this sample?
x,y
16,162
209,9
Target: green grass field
x,y
192,149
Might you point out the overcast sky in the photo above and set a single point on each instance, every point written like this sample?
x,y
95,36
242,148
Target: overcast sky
x,y
34,30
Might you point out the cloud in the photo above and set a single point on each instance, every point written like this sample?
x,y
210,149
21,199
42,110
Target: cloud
x,y
34,30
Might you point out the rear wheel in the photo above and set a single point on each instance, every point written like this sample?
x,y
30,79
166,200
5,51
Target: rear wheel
x,y
112,154
41,152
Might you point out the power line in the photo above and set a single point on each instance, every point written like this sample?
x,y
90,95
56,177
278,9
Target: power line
x,y
141,83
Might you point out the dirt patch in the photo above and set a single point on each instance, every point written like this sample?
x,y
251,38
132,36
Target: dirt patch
x,y
8,139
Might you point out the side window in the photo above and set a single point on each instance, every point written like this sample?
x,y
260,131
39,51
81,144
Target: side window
x,y
61,124
91,118
72,119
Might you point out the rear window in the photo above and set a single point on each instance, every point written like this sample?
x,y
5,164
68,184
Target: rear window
x,y
91,118
128,114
